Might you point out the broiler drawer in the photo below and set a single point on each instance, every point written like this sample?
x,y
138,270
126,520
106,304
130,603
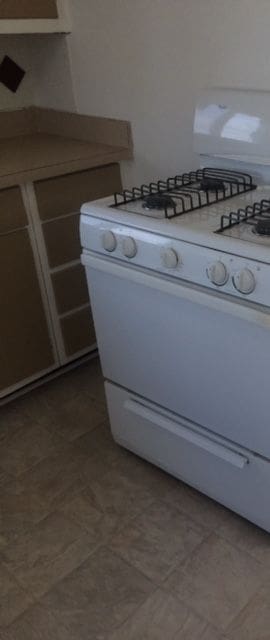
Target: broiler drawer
x,y
218,467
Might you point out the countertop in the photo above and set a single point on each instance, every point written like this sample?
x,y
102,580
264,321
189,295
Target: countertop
x,y
48,143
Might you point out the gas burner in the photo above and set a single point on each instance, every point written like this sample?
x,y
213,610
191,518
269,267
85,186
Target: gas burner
x,y
187,192
210,184
262,228
158,201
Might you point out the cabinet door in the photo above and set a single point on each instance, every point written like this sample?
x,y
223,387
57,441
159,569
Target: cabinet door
x,y
27,9
25,348
58,202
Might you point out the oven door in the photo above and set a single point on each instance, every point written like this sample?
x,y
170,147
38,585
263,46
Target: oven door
x,y
199,354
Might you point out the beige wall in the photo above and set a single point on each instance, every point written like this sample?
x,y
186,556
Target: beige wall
x,y
52,75
18,49
146,60
48,77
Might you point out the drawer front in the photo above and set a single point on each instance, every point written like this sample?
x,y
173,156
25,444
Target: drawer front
x,y
78,331
27,9
62,239
66,194
219,468
70,288
12,211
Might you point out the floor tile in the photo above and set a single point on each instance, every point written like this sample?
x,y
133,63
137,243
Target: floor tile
x,y
197,629
100,451
246,536
197,505
91,381
161,484
116,494
99,526
105,589
53,481
13,600
33,407
47,553
218,580
99,442
87,379
158,539
94,600
25,447
163,617
19,510
5,478
75,415
11,419
41,624
253,623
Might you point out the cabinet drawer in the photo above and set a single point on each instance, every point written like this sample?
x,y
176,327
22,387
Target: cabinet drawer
x,y
62,239
70,288
78,331
12,211
27,9
66,194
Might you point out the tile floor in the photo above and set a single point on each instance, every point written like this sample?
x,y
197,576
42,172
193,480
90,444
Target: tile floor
x,y
96,544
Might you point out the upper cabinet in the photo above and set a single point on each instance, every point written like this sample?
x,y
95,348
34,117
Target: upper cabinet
x,y
34,16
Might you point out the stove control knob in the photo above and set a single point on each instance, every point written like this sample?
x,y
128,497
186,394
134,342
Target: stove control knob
x,y
244,281
170,259
109,241
217,273
129,247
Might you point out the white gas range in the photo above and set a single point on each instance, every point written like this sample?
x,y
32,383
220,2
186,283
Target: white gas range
x,y
179,280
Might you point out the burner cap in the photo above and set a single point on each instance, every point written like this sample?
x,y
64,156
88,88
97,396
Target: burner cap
x,y
262,228
158,201
212,184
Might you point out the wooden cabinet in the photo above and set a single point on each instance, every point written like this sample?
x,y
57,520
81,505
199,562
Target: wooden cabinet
x,y
58,202
70,288
45,319
12,211
34,16
26,347
28,9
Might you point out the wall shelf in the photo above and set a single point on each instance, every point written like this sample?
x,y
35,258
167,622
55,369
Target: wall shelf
x,y
62,24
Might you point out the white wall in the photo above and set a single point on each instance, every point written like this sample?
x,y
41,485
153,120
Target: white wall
x,y
146,60
17,48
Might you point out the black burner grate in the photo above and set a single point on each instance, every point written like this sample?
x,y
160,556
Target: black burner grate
x,y
186,193
257,215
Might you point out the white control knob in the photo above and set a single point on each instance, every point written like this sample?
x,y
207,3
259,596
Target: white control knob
x,y
217,273
109,241
129,247
244,281
170,259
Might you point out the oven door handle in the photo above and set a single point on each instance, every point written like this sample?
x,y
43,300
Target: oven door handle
x,y
199,440
188,292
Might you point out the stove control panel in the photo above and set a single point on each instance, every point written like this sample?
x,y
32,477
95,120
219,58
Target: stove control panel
x,y
170,259
109,241
244,281
217,270
129,247
218,273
